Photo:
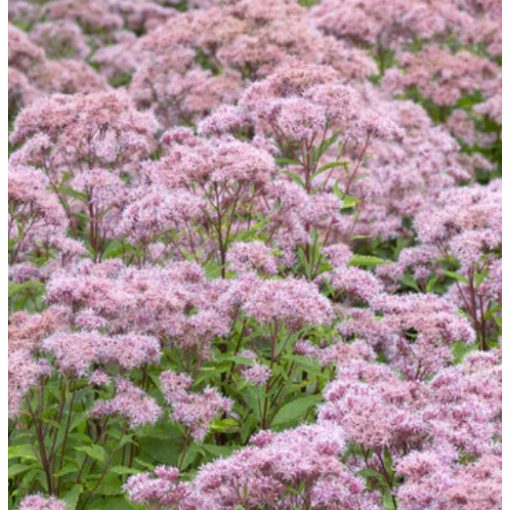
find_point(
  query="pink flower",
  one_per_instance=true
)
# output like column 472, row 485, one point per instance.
column 257, row 374
column 304, row 459
column 129, row 402
column 162, row 489
column 38, row 502
column 194, row 410
column 76, row 352
column 293, row 302
column 24, row 372
column 252, row 256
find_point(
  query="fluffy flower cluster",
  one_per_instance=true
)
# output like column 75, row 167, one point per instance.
column 37, row 502
column 129, row 402
column 27, row 330
column 194, row 410
column 304, row 459
column 76, row 352
column 24, row 372
column 291, row 302
column 163, row 490
column 176, row 303
column 434, row 410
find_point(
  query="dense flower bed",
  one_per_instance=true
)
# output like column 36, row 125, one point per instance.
column 255, row 255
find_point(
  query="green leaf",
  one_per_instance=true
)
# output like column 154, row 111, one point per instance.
column 456, row 276
column 388, row 461
column 145, row 465
column 68, row 468
column 295, row 410
column 367, row 261
column 409, row 281
column 323, row 147
column 480, row 277
column 191, row 455
column 94, row 451
column 114, row 503
column 74, row 194
column 17, row 469
column 328, row 166
column 110, row 485
column 286, row 161
column 218, row 450
column 22, row 451
column 71, row 497
column 240, row 360
column 124, row 470
column 227, row 425
column 372, row 473
column 159, row 450
column 431, row 283
column 388, row 501
column 296, row 178
column 26, row 296
column 348, row 201
column 494, row 308
column 310, row 365
column 116, row 248
column 460, row 350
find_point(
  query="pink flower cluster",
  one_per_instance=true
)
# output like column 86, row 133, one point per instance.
column 194, row 410
column 37, row 502
column 129, row 402
column 304, row 459
column 76, row 352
